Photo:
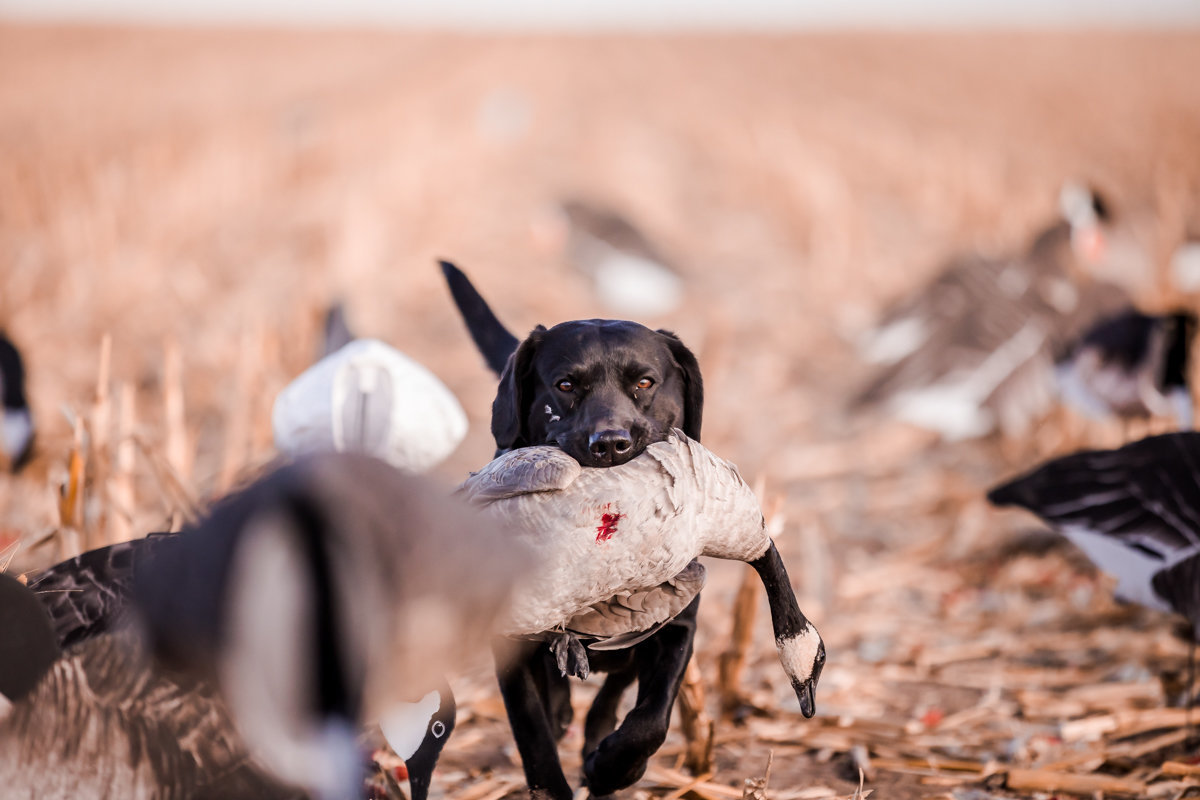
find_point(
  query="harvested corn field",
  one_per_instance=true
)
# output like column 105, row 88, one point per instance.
column 178, row 209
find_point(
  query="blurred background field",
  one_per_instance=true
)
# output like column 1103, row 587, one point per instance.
column 199, row 196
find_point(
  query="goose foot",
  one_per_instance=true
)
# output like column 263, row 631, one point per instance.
column 570, row 655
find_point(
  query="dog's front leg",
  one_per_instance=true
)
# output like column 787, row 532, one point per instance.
column 622, row 756
column 516, row 663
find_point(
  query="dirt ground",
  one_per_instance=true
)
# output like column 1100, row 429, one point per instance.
column 199, row 197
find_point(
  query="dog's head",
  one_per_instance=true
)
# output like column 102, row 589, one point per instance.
column 602, row 390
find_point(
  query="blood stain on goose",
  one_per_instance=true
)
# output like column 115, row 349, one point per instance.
column 607, row 526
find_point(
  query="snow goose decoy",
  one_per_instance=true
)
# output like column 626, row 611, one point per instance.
column 1132, row 365
column 320, row 597
column 99, row 721
column 973, row 351
column 16, row 427
column 619, row 545
column 630, row 276
column 366, row 396
column 1135, row 512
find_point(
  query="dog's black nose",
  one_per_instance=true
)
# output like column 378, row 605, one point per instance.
column 611, row 447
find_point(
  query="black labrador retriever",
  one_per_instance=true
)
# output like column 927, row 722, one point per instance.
column 602, row 390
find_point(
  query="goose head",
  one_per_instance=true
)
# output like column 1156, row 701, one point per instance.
column 801, row 650
column 1087, row 214
column 417, row 732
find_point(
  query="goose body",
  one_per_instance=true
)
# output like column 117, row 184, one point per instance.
column 1135, row 511
column 101, row 722
column 618, row 545
column 366, row 396
column 16, row 420
column 1132, row 365
column 618, row 530
column 973, row 350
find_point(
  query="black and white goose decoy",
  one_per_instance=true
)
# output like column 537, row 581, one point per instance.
column 619, row 546
column 16, row 425
column 320, row 598
column 99, row 721
column 1135, row 512
column 1132, row 365
column 629, row 274
column 367, row 396
column 973, row 351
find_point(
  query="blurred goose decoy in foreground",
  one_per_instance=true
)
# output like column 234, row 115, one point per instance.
column 99, row 721
column 629, row 274
column 321, row 597
column 973, row 350
column 1135, row 512
column 618, row 546
column 16, row 426
column 366, row 396
column 1132, row 365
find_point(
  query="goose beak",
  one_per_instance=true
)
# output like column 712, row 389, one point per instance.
column 806, row 694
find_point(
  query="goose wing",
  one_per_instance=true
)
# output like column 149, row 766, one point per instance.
column 102, row 722
column 1133, row 509
column 89, row 594
column 529, row 470
column 1179, row 586
column 631, row 616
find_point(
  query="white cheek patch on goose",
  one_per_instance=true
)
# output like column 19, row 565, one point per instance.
column 404, row 724
column 550, row 413
column 799, row 653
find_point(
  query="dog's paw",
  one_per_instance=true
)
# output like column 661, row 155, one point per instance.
column 619, row 761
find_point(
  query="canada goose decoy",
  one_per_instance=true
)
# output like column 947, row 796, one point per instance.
column 90, row 595
column 322, row 596
column 16, row 426
column 1135, row 512
column 629, row 274
column 619, row 544
column 366, row 396
column 98, row 721
column 1132, row 365
column 973, row 351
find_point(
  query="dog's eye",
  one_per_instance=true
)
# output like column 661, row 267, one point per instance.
column 645, row 383
column 564, row 386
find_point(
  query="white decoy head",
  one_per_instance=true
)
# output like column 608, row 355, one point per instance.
column 16, row 424
column 618, row 544
column 368, row 397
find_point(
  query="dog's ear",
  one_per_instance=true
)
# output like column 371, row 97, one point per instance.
column 693, row 385
column 510, row 409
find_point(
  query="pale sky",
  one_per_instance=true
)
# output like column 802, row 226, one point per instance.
column 626, row 14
